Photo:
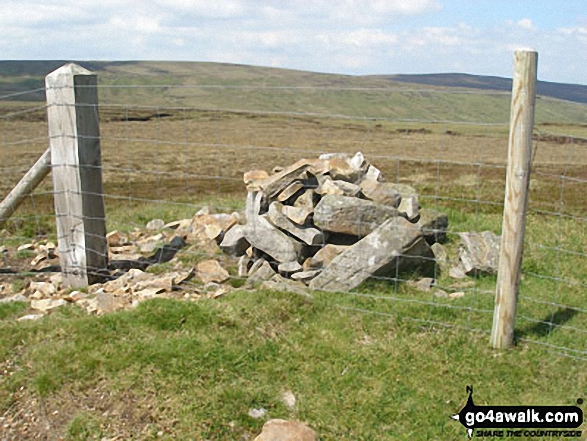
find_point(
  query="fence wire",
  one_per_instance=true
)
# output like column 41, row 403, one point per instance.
column 176, row 153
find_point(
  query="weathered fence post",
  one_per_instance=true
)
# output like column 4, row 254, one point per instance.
column 25, row 186
column 516, row 197
column 72, row 110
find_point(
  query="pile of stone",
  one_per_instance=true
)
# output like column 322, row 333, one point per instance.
column 331, row 223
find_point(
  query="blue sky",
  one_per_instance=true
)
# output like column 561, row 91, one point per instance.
column 347, row 36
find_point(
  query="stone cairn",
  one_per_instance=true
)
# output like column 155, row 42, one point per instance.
column 331, row 223
column 325, row 224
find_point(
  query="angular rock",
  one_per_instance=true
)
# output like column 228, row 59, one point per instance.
column 457, row 272
column 326, row 254
column 409, row 207
column 244, row 263
column 290, row 191
column 358, row 217
column 372, row 174
column 310, row 236
column 250, row 178
column 107, row 302
column 211, row 271
column 433, row 225
column 116, row 239
column 305, row 276
column 155, row 224
column 274, row 184
column 384, row 193
column 260, row 273
column 416, row 258
column 179, row 224
column 440, row 255
column 42, row 289
column 14, row 298
column 305, row 200
column 298, row 215
column 479, row 252
column 286, row 269
column 376, row 254
column 235, row 241
column 281, row 430
column 269, row 239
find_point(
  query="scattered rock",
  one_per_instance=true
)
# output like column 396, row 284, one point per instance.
column 211, row 271
column 257, row 413
column 155, row 224
column 289, row 399
column 259, row 272
column 46, row 305
column 479, row 252
column 235, row 241
column 286, row 269
column 305, row 276
column 281, row 430
column 30, row 317
column 440, row 255
column 424, row 284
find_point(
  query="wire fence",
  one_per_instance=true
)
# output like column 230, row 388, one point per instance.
column 170, row 151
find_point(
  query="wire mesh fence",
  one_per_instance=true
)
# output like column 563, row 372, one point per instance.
column 169, row 151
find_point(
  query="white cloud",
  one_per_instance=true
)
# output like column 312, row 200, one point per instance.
column 525, row 23
column 347, row 36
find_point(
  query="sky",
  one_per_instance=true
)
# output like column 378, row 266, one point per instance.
column 346, row 36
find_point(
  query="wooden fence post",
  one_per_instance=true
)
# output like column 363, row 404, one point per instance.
column 25, row 186
column 72, row 111
column 516, row 197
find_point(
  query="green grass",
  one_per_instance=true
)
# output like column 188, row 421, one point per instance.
column 202, row 366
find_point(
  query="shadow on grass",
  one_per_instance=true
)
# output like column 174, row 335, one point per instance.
column 547, row 324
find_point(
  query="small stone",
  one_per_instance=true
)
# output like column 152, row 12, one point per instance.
column 289, row 399
column 424, row 284
column 30, row 317
column 211, row 271
column 305, row 276
column 107, row 302
column 155, row 224
column 456, row 295
column 14, row 298
column 44, row 289
column 257, row 413
column 260, row 272
column 440, row 293
column 47, row 304
column 456, row 272
column 281, row 430
column 116, row 239
column 26, row 247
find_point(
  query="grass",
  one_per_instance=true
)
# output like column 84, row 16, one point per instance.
column 197, row 369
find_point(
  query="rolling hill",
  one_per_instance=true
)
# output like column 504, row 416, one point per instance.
column 219, row 86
